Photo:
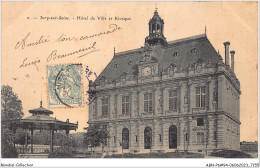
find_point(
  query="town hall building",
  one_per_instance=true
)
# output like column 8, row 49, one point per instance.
column 169, row 95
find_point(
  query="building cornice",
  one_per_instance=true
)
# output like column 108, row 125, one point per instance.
column 160, row 117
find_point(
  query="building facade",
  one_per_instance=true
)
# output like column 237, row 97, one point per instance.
column 168, row 95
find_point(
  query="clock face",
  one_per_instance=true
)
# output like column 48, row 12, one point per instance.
column 147, row 71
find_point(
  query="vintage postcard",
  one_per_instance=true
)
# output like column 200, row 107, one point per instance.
column 115, row 79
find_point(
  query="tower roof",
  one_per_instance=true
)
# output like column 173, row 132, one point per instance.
column 41, row 110
column 165, row 57
column 156, row 17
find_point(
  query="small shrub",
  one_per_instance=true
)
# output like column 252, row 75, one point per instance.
column 156, row 155
column 61, row 153
column 231, row 154
column 8, row 150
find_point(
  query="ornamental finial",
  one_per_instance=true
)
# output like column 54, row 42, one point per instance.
column 156, row 8
column 41, row 100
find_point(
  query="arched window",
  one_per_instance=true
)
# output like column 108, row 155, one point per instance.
column 158, row 28
column 194, row 50
column 175, row 54
column 153, row 28
column 147, row 138
column 125, row 138
column 173, row 137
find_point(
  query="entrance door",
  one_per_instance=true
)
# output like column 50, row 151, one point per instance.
column 125, row 138
column 147, row 138
column 173, row 137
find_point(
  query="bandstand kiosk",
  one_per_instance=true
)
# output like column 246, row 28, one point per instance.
column 41, row 120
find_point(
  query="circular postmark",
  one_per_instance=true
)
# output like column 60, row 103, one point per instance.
column 68, row 85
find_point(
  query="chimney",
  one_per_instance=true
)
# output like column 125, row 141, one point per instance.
column 226, row 44
column 232, row 60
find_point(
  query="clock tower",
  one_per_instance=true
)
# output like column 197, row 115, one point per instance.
column 156, row 26
column 151, row 94
column 148, row 64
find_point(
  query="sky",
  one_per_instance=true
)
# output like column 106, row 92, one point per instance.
column 236, row 22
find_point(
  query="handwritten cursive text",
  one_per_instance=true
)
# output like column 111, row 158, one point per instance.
column 54, row 54
column 23, row 43
column 26, row 63
column 112, row 29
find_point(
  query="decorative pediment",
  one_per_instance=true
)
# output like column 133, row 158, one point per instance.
column 173, row 68
column 148, row 55
column 147, row 58
column 148, row 63
column 198, row 66
column 130, row 77
column 122, row 78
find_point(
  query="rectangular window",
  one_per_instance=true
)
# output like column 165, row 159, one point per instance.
column 125, row 105
column 172, row 100
column 200, row 138
column 160, row 137
column 186, row 136
column 200, row 96
column 215, row 135
column 136, row 138
column 200, row 122
column 105, row 107
column 114, row 139
column 148, row 103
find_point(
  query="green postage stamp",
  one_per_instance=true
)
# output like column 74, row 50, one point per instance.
column 64, row 85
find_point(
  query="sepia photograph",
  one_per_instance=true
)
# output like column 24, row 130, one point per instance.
column 116, row 80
